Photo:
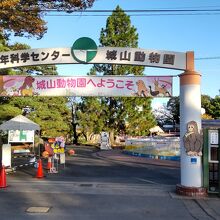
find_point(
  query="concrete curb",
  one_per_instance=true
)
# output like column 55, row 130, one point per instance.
column 118, row 155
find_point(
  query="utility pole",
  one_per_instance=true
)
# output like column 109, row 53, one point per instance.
column 74, row 122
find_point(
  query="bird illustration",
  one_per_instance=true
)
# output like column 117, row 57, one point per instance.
column 153, row 93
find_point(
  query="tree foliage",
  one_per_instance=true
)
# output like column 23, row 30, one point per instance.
column 211, row 106
column 30, row 70
column 52, row 114
column 206, row 104
column 216, row 103
column 119, row 33
column 91, row 116
column 126, row 115
column 119, row 115
column 25, row 18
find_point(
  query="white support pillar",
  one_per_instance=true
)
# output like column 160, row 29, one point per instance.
column 190, row 110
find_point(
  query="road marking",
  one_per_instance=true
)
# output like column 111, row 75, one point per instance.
column 147, row 181
column 39, row 209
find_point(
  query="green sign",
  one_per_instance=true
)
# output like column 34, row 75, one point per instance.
column 84, row 50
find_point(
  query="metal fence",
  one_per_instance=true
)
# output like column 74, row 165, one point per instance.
column 154, row 145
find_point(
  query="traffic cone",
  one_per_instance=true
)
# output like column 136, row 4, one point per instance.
column 40, row 173
column 3, row 183
column 49, row 163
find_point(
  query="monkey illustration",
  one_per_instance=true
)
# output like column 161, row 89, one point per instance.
column 193, row 140
column 142, row 89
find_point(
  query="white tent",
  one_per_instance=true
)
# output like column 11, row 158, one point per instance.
column 19, row 123
column 156, row 129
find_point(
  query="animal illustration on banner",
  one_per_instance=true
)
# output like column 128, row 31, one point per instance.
column 19, row 86
column 142, row 89
column 2, row 83
column 27, row 88
column 161, row 88
column 142, row 86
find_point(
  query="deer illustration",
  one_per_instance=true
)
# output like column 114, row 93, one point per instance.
column 161, row 88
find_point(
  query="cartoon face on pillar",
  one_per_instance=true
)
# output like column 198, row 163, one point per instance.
column 193, row 140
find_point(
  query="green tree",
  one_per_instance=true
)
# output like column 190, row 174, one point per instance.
column 90, row 115
column 123, row 115
column 3, row 43
column 52, row 114
column 206, row 104
column 211, row 106
column 30, row 70
column 173, row 106
column 3, row 48
column 216, row 107
column 126, row 115
column 25, row 18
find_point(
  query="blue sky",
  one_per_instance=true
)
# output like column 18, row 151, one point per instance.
column 198, row 33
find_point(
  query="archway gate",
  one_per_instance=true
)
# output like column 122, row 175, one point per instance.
column 85, row 51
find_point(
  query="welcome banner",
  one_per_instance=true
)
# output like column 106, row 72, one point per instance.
column 106, row 86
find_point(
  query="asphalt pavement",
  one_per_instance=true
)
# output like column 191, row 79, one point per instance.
column 97, row 185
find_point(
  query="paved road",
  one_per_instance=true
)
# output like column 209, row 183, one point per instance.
column 99, row 185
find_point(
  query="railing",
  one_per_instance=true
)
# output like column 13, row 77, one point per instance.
column 168, row 146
